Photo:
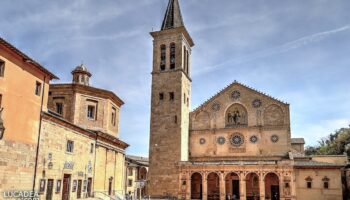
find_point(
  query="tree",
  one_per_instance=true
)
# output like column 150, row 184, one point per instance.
column 334, row 144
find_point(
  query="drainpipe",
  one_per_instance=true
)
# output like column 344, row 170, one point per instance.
column 39, row 134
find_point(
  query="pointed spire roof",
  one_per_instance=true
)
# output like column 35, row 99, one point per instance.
column 173, row 17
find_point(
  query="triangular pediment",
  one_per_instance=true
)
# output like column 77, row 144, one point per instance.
column 230, row 88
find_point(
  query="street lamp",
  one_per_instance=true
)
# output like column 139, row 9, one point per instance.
column 2, row 127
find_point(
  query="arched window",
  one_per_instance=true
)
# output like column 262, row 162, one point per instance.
column 184, row 59
column 172, row 55
column 187, row 62
column 162, row 57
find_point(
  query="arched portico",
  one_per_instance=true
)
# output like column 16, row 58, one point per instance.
column 232, row 186
column 272, row 187
column 252, row 186
column 213, row 185
column 196, row 186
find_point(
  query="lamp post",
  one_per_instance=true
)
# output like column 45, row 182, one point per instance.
column 2, row 127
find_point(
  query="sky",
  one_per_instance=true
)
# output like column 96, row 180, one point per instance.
column 296, row 51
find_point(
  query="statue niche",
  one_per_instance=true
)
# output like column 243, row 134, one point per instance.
column 236, row 115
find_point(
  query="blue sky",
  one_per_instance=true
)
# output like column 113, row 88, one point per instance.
column 297, row 51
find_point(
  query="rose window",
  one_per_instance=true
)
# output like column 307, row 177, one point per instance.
column 237, row 139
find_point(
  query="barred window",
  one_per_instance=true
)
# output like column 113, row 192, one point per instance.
column 70, row 146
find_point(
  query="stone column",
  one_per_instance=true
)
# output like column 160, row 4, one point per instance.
column 262, row 186
column 281, row 183
column 293, row 186
column 188, row 187
column 204, row 186
column 222, row 187
column 242, row 187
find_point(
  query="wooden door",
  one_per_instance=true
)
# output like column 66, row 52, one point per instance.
column 66, row 186
column 79, row 189
column 89, row 186
column 49, row 189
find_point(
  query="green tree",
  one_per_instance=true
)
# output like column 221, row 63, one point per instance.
column 334, row 144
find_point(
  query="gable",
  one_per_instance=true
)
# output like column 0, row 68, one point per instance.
column 239, row 105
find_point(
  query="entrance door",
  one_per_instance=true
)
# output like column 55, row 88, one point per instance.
column 89, row 185
column 66, row 186
column 110, row 186
column 235, row 188
column 275, row 192
column 79, row 189
column 49, row 189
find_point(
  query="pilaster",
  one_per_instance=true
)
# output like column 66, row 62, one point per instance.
column 242, row 187
column 222, row 187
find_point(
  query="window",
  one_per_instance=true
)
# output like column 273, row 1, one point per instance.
column 70, row 146
column 37, row 88
column 325, row 182
column 175, row 119
column 162, row 57
column 130, row 171
column 92, row 148
column 188, row 101
column 2, row 68
column 187, row 62
column 172, row 56
column 184, row 98
column 129, row 182
column 171, row 95
column 91, row 112
column 325, row 185
column 161, row 96
column 308, row 182
column 0, row 100
column 114, row 114
column 59, row 108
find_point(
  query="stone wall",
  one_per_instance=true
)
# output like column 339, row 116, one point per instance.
column 260, row 119
column 79, row 164
column 169, row 118
column 317, row 190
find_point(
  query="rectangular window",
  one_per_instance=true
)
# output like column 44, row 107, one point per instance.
column 37, row 88
column 309, row 185
column 130, row 171
column 91, row 112
column 59, row 108
column 325, row 185
column 171, row 96
column 161, row 96
column 2, row 68
column 0, row 100
column 92, row 148
column 175, row 119
column 70, row 146
column 114, row 114
column 129, row 182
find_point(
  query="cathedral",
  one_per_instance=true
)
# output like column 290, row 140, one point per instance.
column 236, row 145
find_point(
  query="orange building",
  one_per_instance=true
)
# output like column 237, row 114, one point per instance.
column 24, row 85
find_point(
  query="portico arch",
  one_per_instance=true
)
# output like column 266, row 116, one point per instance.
column 252, row 186
column 213, row 186
column 272, row 191
column 232, row 186
column 196, row 186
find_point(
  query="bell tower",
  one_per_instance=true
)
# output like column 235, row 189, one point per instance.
column 170, row 103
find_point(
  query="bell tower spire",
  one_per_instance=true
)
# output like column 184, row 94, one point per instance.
column 173, row 17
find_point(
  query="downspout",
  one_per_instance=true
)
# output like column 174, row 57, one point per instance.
column 39, row 134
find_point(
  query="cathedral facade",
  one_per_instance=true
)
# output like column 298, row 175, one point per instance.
column 236, row 145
